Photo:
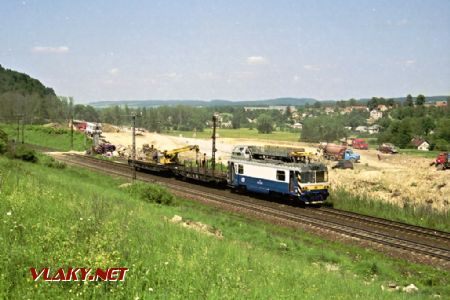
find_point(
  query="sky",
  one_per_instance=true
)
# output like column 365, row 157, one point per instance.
column 235, row 50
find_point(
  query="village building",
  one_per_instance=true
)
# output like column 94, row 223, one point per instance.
column 441, row 104
column 361, row 129
column 281, row 109
column 297, row 125
column 420, row 144
column 382, row 107
column 329, row 110
column 374, row 129
column 376, row 114
column 349, row 109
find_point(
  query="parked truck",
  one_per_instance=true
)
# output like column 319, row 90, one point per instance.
column 442, row 161
column 387, row 148
column 337, row 152
column 360, row 144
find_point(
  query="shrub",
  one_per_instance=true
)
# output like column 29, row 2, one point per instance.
column 22, row 152
column 152, row 193
column 50, row 162
column 3, row 141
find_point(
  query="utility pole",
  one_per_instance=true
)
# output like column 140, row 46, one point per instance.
column 18, row 129
column 19, row 120
column 71, row 131
column 23, row 131
column 213, row 154
column 71, row 123
column 133, row 153
column 133, row 150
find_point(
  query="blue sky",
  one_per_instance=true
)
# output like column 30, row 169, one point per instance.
column 129, row 50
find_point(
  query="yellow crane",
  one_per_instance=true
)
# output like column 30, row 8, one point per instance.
column 171, row 156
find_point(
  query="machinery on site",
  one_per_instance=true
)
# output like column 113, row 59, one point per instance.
column 266, row 152
column 338, row 152
column 442, row 161
column 387, row 148
column 360, row 144
column 156, row 160
column 171, row 156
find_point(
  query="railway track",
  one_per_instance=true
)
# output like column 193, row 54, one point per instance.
column 414, row 239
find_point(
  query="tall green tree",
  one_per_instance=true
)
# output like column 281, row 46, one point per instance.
column 409, row 101
column 420, row 100
column 264, row 124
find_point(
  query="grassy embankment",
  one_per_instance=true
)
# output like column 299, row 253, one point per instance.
column 415, row 215
column 55, row 138
column 245, row 133
column 55, row 217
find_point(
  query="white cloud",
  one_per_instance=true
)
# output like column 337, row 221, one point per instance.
column 311, row 68
column 296, row 78
column 410, row 62
column 42, row 49
column 114, row 71
column 257, row 60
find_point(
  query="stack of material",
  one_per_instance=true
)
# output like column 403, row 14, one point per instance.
column 105, row 148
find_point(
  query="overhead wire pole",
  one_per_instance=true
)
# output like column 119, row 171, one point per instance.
column 71, row 123
column 213, row 154
column 133, row 153
column 18, row 129
column 71, row 131
column 133, row 150
column 23, row 131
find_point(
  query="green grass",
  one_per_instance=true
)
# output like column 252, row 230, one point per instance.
column 416, row 215
column 244, row 133
column 58, row 139
column 415, row 152
column 61, row 217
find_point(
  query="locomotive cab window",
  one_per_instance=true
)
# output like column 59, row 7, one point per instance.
column 321, row 176
column 240, row 169
column 281, row 175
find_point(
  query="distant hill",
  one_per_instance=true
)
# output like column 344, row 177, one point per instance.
column 27, row 98
column 155, row 103
column 13, row 81
column 212, row 103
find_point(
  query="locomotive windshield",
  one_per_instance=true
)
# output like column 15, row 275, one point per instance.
column 312, row 176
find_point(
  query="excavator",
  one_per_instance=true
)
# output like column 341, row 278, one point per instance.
column 168, row 157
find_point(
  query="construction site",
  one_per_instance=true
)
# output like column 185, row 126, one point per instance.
column 376, row 175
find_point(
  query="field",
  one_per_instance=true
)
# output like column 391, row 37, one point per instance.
column 55, row 138
column 60, row 217
column 244, row 133
column 427, row 154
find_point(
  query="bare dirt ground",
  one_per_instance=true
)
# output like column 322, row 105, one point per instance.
column 400, row 179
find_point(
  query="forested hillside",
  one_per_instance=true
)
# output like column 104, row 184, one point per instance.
column 21, row 95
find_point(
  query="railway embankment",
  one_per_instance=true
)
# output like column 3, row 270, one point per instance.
column 87, row 218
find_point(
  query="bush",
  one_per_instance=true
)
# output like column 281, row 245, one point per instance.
column 3, row 141
column 22, row 152
column 152, row 193
column 50, row 162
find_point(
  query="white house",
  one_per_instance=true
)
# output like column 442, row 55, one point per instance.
column 375, row 114
column 420, row 144
column 361, row 129
column 374, row 129
column 424, row 146
column 297, row 125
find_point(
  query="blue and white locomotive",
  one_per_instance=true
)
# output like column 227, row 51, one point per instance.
column 253, row 169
